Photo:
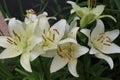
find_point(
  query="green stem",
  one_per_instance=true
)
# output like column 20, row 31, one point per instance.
column 42, row 68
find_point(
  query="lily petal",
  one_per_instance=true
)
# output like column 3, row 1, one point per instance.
column 30, row 18
column 113, row 48
column 30, row 28
column 109, row 16
column 57, row 63
column 73, row 33
column 34, row 54
column 3, row 41
column 93, row 51
column 112, row 34
column 68, row 40
column 72, row 67
column 11, row 52
column 86, row 32
column 33, row 41
column 43, row 24
column 50, row 53
column 98, row 10
column 60, row 27
column 25, row 61
column 97, row 30
column 74, row 23
column 80, row 11
column 17, row 27
column 81, row 51
column 106, row 58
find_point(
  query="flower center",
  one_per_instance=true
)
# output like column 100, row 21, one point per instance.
column 17, row 40
column 101, row 41
column 49, row 38
column 66, row 50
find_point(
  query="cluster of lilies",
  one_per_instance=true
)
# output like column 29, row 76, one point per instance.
column 35, row 37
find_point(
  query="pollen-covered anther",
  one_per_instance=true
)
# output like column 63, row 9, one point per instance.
column 56, row 31
column 43, row 37
column 15, row 34
column 50, row 39
column 100, row 38
column 106, row 44
column 9, row 41
column 59, row 47
column 59, row 53
column 53, row 36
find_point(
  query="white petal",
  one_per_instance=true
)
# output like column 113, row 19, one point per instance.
column 113, row 48
column 112, row 34
column 72, row 67
column 60, row 27
column 68, row 40
column 33, row 41
column 109, row 16
column 86, row 32
column 4, row 41
column 74, row 23
column 50, row 53
column 11, row 52
column 106, row 58
column 98, row 10
column 30, row 28
column 57, row 63
column 34, row 55
column 43, row 25
column 93, row 51
column 30, row 18
column 73, row 33
column 97, row 30
column 25, row 61
column 17, row 26
column 67, row 28
column 80, row 11
column 81, row 51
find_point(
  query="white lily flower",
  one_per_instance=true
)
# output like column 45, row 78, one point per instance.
column 101, row 42
column 71, row 30
column 19, row 42
column 50, row 37
column 88, row 15
column 67, row 53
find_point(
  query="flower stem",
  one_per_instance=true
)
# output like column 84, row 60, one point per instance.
column 42, row 68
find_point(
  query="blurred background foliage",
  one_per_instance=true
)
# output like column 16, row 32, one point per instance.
column 89, row 67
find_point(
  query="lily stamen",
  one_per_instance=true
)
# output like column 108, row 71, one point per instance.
column 53, row 36
column 106, row 44
column 50, row 39
column 56, row 31
column 43, row 37
column 60, row 48
column 100, row 38
column 15, row 34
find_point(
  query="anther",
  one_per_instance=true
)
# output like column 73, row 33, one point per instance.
column 59, row 54
column 60, row 48
column 50, row 39
column 43, row 37
column 53, row 36
column 100, row 38
column 106, row 44
column 56, row 31
column 16, row 35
